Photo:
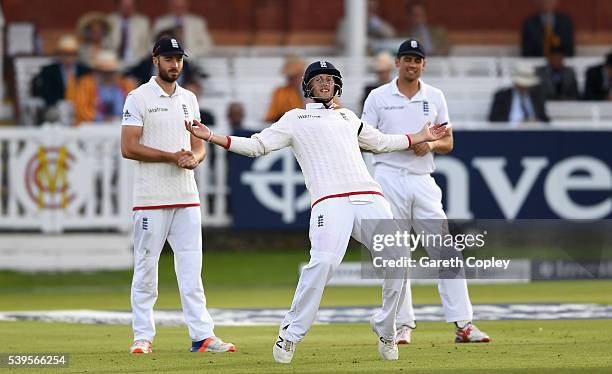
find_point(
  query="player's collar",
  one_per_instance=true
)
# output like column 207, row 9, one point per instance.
column 160, row 91
column 319, row 106
column 421, row 95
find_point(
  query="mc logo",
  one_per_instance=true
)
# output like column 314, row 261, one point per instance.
column 54, row 178
column 46, row 179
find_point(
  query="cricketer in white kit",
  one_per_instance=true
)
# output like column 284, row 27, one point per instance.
column 166, row 199
column 326, row 142
column 401, row 106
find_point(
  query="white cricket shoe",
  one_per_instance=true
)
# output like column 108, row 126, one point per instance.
column 387, row 348
column 141, row 346
column 470, row 334
column 283, row 350
column 403, row 334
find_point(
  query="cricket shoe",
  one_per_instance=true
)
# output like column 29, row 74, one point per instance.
column 387, row 348
column 212, row 344
column 470, row 334
column 141, row 346
column 403, row 334
column 283, row 350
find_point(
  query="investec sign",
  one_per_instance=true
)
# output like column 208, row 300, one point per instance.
column 489, row 174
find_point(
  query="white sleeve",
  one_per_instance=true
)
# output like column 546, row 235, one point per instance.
column 442, row 116
column 370, row 111
column 277, row 136
column 132, row 115
column 196, row 108
column 373, row 140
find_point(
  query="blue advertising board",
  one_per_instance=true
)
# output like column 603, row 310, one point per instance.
column 489, row 174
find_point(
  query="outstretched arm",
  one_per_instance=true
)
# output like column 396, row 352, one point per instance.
column 275, row 137
column 373, row 140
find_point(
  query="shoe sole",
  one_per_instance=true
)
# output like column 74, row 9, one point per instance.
column 486, row 340
column 140, row 351
column 403, row 342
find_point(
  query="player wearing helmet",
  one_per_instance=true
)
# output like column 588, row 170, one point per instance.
column 326, row 142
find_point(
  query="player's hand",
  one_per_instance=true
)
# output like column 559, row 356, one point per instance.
column 430, row 133
column 187, row 160
column 422, row 149
column 181, row 157
column 198, row 129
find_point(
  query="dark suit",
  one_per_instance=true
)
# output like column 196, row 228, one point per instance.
column 596, row 87
column 566, row 88
column 502, row 104
column 49, row 83
column 532, row 36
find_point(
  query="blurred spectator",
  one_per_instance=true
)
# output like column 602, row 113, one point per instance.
column 547, row 29
column 195, row 86
column 289, row 96
column 129, row 33
column 384, row 65
column 434, row 38
column 58, row 81
column 191, row 29
column 557, row 80
column 377, row 27
column 93, row 29
column 522, row 103
column 144, row 70
column 102, row 92
column 598, row 84
column 237, row 121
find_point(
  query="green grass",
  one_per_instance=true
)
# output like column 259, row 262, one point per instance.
column 245, row 280
column 249, row 280
column 519, row 346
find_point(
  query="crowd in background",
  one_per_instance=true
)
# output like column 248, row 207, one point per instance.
column 109, row 56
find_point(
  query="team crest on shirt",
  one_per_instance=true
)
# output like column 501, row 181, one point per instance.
column 425, row 108
column 127, row 115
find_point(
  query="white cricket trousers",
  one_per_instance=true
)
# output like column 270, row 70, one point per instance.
column 183, row 230
column 332, row 223
column 417, row 197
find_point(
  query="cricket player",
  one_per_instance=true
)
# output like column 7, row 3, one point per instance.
column 401, row 106
column 326, row 142
column 166, row 199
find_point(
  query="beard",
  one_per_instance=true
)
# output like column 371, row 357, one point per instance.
column 169, row 77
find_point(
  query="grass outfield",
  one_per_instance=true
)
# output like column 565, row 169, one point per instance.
column 525, row 346
column 268, row 280
column 251, row 280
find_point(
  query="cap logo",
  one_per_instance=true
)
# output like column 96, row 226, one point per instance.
column 174, row 43
column 323, row 64
column 413, row 43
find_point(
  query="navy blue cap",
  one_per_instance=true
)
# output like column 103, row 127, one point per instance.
column 411, row 47
column 168, row 46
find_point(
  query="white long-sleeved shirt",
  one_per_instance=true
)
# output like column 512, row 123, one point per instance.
column 326, row 144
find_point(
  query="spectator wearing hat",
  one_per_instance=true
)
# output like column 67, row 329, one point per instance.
column 547, row 29
column 93, row 30
column 558, row 81
column 598, row 84
column 290, row 95
column 58, row 81
column 434, row 38
column 130, row 33
column 523, row 102
column 190, row 29
column 103, row 91
column 384, row 64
